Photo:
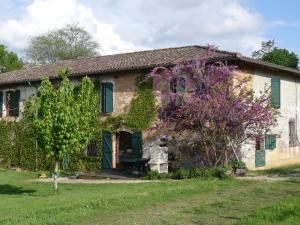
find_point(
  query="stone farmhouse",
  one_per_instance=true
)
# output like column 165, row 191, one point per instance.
column 117, row 76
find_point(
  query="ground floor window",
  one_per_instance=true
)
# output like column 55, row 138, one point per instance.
column 12, row 99
column 270, row 141
column 92, row 149
column 293, row 137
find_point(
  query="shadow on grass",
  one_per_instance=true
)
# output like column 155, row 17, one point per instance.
column 14, row 190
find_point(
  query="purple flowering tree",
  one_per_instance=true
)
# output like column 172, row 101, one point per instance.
column 211, row 110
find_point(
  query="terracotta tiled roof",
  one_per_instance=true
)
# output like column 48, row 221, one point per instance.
column 111, row 63
column 129, row 61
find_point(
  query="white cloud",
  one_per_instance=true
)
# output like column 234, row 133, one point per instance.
column 44, row 15
column 121, row 26
column 164, row 23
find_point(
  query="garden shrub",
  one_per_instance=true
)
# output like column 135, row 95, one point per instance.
column 184, row 173
column 153, row 175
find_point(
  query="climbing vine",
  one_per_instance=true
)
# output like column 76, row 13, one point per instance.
column 18, row 147
column 142, row 110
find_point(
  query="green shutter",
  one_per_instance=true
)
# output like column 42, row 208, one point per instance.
column 15, row 103
column 275, row 91
column 103, row 97
column 106, row 150
column 107, row 97
column 1, row 104
column 260, row 158
column 137, row 144
column 270, row 141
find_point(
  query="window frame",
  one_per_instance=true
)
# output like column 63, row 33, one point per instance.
column 7, row 105
column 293, row 137
column 276, row 97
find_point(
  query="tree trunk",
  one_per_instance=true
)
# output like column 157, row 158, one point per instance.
column 55, row 175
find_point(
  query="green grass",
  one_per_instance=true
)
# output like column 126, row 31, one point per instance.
column 281, row 171
column 166, row 202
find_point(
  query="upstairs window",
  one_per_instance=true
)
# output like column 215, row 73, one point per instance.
column 107, row 98
column 293, row 141
column 275, row 92
column 177, row 85
column 12, row 103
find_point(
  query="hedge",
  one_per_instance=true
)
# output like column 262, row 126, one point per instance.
column 19, row 148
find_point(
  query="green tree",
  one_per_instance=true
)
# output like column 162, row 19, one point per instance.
column 65, row 120
column 70, row 42
column 279, row 56
column 9, row 61
column 282, row 57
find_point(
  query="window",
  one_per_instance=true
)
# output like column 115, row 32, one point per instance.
column 107, row 97
column 270, row 141
column 12, row 103
column 259, row 143
column 92, row 149
column 293, row 133
column 177, row 85
column 260, row 154
column 275, row 92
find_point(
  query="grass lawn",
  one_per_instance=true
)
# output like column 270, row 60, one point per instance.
column 166, row 202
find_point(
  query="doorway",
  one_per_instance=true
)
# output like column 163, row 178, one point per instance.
column 124, row 145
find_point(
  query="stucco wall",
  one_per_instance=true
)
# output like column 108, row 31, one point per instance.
column 289, row 109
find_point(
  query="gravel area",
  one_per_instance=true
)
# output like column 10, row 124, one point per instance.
column 264, row 178
column 66, row 180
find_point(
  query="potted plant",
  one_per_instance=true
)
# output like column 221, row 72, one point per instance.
column 239, row 168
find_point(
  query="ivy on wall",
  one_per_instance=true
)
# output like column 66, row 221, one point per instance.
column 142, row 110
column 19, row 149
column 18, row 140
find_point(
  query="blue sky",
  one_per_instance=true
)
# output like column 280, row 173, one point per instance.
column 129, row 25
column 279, row 10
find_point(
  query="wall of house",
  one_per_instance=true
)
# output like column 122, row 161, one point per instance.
column 124, row 90
column 283, row 154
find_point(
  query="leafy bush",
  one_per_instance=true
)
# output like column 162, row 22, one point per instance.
column 221, row 172
column 238, row 164
column 153, row 175
column 182, row 173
